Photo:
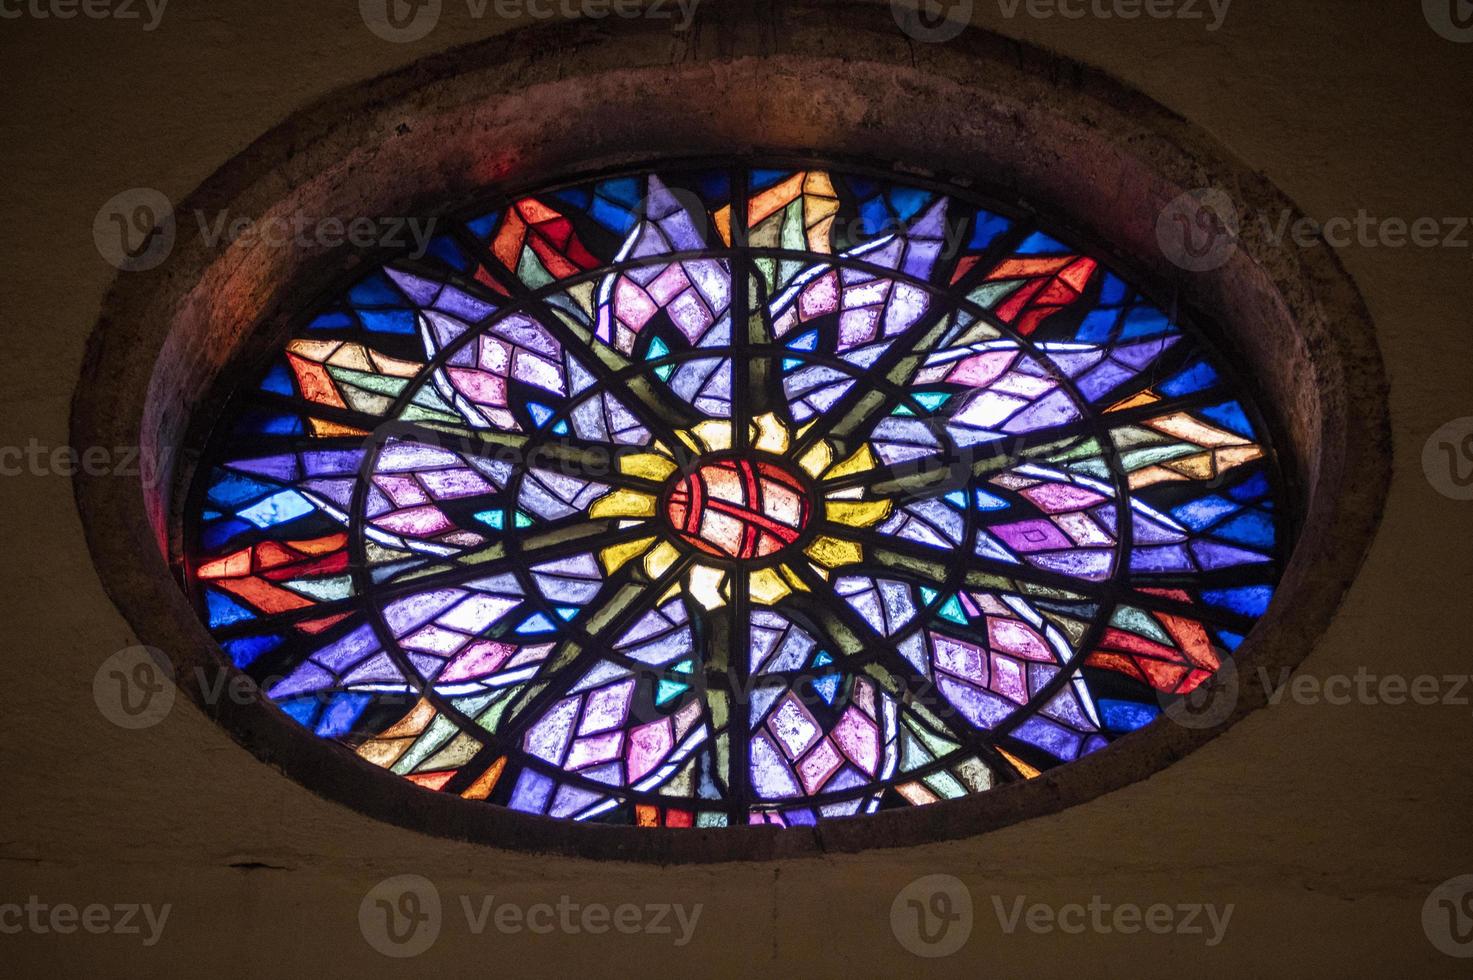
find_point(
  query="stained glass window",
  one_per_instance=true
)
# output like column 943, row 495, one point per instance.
column 717, row 495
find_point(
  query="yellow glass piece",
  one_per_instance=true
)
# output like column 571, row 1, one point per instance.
column 767, row 587
column 834, row 552
column 723, row 224
column 793, row 578
column 623, row 503
column 705, row 586
column 1028, row 771
column 328, row 430
column 650, row 466
column 858, row 463
column 714, row 434
column 486, row 782
column 857, row 513
column 1237, row 456
column 1184, row 427
column 615, row 556
column 393, row 366
column 769, row 435
column 583, row 293
column 353, row 357
column 1144, row 398
column 817, row 458
column 658, row 561
column 314, row 350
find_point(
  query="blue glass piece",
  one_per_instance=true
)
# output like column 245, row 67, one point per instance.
column 907, row 202
column 990, row 501
column 877, row 217
column 537, row 623
column 1196, row 377
column 827, row 687
column 1144, row 321
column 376, row 290
column 1230, row 416
column 951, row 610
column 763, row 179
column 483, row 226
column 248, row 650
column 279, row 381
column 341, row 712
column 808, row 341
column 1251, row 489
column 1097, row 326
column 389, row 321
column 1112, row 290
column 1251, row 601
column 301, row 709
column 668, row 690
column 540, row 413
column 217, row 535
column 1199, row 514
column 259, row 423
column 446, row 250
column 1251, row 528
column 625, row 190
column 1040, row 244
column 232, row 489
column 985, row 230
column 1126, row 716
column 280, row 508
column 225, row 611
column 333, row 321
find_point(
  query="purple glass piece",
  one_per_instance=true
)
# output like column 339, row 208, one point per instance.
column 531, row 792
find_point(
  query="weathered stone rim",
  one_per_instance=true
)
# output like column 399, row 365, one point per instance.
column 783, row 76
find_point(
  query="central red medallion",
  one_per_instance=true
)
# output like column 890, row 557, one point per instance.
column 739, row 508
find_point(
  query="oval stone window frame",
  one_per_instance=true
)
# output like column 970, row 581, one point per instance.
column 826, row 79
